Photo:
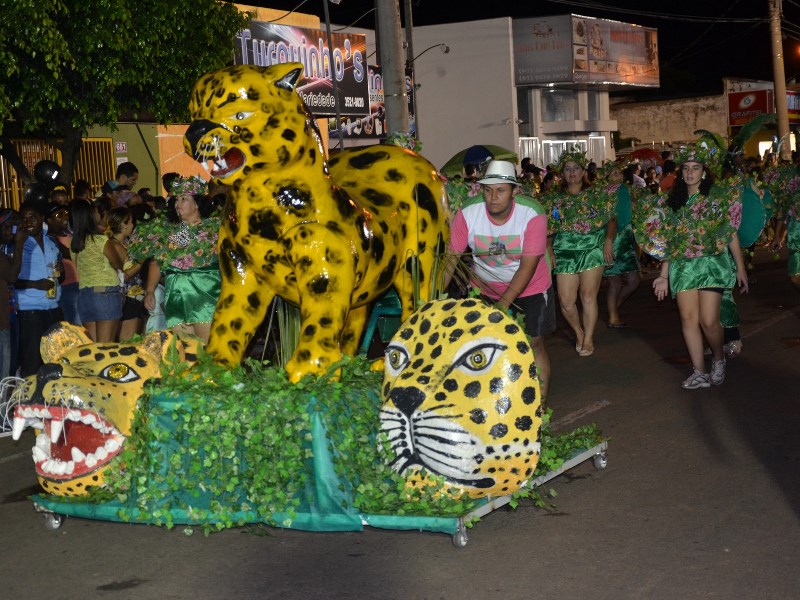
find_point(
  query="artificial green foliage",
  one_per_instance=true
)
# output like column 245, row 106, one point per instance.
column 233, row 446
column 74, row 64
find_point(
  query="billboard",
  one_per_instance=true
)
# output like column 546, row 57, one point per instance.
column 372, row 124
column 575, row 49
column 743, row 106
column 265, row 44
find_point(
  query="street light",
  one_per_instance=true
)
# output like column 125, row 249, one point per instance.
column 445, row 50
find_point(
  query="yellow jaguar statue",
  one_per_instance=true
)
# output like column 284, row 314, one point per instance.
column 83, row 399
column 329, row 237
column 461, row 399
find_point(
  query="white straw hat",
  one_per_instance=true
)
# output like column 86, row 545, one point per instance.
column 499, row 171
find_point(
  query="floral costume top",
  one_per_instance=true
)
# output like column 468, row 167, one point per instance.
column 694, row 238
column 577, row 222
column 187, row 255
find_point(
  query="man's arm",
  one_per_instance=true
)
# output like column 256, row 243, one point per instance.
column 521, row 279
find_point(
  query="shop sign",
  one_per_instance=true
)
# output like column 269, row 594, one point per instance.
column 266, row 44
column 793, row 102
column 744, row 106
column 372, row 124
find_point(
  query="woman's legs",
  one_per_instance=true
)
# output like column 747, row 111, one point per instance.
column 689, row 309
column 567, row 284
column 129, row 328
column 588, row 287
column 699, row 310
column 612, row 298
column 709, row 322
column 106, row 331
column 91, row 329
column 542, row 365
column 620, row 288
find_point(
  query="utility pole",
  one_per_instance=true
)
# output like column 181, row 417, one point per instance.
column 392, row 66
column 779, row 75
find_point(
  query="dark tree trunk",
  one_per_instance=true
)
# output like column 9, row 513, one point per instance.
column 9, row 152
column 70, row 148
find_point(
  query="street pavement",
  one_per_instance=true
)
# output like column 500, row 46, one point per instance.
column 700, row 499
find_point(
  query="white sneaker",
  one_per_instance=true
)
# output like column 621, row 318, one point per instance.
column 717, row 371
column 697, row 380
column 733, row 349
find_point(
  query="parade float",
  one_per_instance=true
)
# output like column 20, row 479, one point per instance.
column 161, row 431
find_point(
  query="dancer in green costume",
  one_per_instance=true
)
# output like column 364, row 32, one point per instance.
column 694, row 227
column 582, row 225
column 186, row 253
column 623, row 276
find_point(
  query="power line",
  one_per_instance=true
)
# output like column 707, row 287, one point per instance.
column 587, row 4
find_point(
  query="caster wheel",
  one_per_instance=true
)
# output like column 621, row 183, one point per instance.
column 460, row 539
column 53, row 521
column 600, row 461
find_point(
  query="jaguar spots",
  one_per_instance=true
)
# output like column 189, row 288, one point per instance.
column 329, row 237
column 461, row 398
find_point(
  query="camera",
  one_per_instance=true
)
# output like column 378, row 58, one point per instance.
column 13, row 230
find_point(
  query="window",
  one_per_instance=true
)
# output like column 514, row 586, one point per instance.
column 593, row 100
column 558, row 105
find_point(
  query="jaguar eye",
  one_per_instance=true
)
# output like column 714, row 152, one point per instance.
column 241, row 116
column 396, row 359
column 478, row 357
column 119, row 372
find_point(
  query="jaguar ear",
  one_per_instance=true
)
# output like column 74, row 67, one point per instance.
column 61, row 337
column 288, row 75
column 157, row 343
column 171, row 348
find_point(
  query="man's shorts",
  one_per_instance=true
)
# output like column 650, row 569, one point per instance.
column 539, row 312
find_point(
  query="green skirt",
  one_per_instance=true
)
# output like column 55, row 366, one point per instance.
column 577, row 252
column 191, row 295
column 702, row 272
column 625, row 259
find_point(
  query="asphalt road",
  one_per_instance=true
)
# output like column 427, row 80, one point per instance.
column 700, row 499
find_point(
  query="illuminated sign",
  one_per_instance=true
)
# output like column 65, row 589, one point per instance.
column 266, row 44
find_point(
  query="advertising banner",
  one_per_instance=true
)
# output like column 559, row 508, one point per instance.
column 793, row 100
column 574, row 49
column 372, row 125
column 743, row 106
column 265, row 44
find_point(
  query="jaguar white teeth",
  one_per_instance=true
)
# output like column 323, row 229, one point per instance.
column 56, row 452
column 56, row 429
column 39, row 455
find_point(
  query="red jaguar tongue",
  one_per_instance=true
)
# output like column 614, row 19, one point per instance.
column 233, row 159
column 84, row 437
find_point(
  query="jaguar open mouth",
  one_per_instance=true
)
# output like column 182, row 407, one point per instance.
column 229, row 163
column 73, row 443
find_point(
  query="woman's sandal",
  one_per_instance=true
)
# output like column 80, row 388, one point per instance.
column 618, row 325
column 586, row 351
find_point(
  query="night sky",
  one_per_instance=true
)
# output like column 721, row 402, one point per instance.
column 700, row 41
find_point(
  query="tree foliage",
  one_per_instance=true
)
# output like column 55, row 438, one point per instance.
column 74, row 64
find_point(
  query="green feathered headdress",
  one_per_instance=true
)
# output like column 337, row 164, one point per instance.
column 575, row 155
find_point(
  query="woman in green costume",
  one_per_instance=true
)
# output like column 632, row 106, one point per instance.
column 582, row 225
column 186, row 253
column 694, row 227
column 623, row 276
column 785, row 190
